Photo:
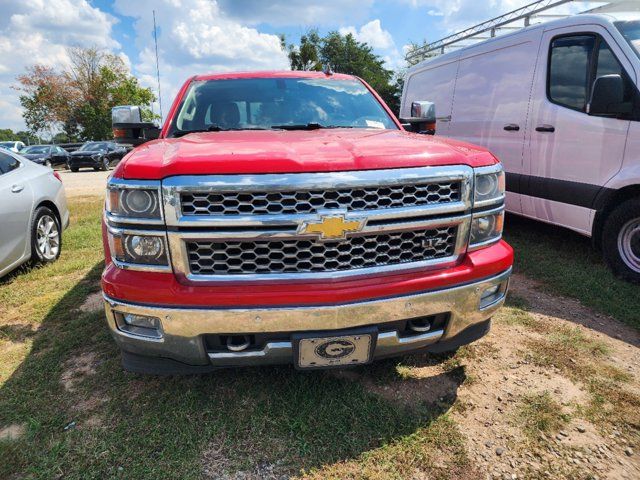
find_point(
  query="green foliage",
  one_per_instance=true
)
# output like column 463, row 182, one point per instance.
column 78, row 99
column 344, row 54
column 6, row 134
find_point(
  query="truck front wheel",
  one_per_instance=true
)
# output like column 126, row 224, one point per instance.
column 621, row 240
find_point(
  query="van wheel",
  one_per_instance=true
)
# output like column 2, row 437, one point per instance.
column 46, row 236
column 621, row 240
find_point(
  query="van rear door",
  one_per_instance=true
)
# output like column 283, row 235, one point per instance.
column 492, row 97
column 572, row 154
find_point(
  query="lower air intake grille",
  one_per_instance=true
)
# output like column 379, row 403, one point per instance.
column 301, row 256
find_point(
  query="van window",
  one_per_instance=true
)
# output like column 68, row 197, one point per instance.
column 568, row 82
column 608, row 64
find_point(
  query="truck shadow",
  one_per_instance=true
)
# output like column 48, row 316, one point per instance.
column 85, row 417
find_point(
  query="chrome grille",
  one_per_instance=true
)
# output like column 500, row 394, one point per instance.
column 305, row 256
column 311, row 201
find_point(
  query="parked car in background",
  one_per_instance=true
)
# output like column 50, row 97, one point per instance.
column 33, row 212
column 96, row 155
column 13, row 146
column 47, row 155
column 287, row 217
column 559, row 104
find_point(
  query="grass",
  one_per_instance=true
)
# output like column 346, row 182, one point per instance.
column 128, row 426
column 258, row 421
column 566, row 263
column 539, row 413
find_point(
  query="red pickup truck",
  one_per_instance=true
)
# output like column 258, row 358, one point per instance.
column 288, row 217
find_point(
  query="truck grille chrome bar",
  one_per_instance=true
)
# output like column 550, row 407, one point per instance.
column 313, row 226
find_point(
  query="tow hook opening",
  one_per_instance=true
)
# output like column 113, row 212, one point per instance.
column 238, row 343
column 420, row 325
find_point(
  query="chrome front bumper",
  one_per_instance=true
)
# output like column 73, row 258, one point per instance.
column 183, row 328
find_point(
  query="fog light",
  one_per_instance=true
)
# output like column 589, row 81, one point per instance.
column 493, row 294
column 146, row 246
column 140, row 325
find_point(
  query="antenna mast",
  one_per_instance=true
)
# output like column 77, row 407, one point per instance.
column 155, row 38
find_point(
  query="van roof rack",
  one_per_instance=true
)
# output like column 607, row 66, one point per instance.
column 514, row 20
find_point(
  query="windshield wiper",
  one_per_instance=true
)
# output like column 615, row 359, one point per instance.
column 307, row 126
column 213, row 128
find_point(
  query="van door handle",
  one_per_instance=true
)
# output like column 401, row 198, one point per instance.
column 546, row 128
column 17, row 188
column 512, row 127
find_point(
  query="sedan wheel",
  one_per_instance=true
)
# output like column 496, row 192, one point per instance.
column 48, row 238
column 47, row 163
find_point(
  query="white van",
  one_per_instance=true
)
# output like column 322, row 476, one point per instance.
column 558, row 103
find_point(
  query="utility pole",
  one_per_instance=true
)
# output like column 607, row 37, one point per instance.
column 155, row 37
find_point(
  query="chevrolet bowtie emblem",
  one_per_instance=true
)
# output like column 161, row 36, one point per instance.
column 331, row 226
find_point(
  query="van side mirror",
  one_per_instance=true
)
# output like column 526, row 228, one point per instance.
column 607, row 96
column 128, row 127
column 423, row 117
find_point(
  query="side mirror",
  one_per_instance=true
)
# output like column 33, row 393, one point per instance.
column 423, row 117
column 128, row 127
column 607, row 96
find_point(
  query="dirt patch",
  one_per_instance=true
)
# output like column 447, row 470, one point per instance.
column 12, row 432
column 522, row 418
column 92, row 303
column 491, row 414
column 77, row 368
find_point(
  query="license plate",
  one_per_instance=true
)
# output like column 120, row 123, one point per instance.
column 335, row 350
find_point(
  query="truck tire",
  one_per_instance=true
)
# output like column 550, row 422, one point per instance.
column 621, row 240
column 46, row 236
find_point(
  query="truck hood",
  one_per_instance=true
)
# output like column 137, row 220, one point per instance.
column 278, row 151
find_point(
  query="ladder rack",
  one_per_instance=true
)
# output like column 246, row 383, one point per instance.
column 523, row 16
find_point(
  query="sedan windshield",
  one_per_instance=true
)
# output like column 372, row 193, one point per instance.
column 631, row 32
column 7, row 144
column 37, row 149
column 278, row 103
column 93, row 147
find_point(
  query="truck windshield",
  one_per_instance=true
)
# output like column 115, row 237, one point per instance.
column 278, row 103
column 631, row 31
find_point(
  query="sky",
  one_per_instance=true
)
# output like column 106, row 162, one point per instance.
column 202, row 36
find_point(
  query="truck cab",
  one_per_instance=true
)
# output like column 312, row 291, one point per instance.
column 287, row 217
column 559, row 104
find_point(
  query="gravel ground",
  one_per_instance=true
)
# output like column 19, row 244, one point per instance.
column 84, row 182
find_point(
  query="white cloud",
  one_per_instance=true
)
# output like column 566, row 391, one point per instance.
column 308, row 13
column 38, row 31
column 371, row 33
column 459, row 14
column 195, row 36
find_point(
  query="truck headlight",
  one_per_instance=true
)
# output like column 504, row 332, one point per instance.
column 486, row 229
column 489, row 185
column 133, row 201
column 138, row 248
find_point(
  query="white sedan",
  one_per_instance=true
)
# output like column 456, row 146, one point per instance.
column 33, row 212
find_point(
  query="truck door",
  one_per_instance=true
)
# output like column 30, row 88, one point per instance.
column 491, row 102
column 571, row 154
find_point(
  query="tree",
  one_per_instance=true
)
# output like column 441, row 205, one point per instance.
column 77, row 100
column 344, row 54
column 6, row 134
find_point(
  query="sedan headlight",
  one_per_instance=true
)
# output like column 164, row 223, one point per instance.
column 133, row 202
column 138, row 248
column 486, row 229
column 489, row 186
